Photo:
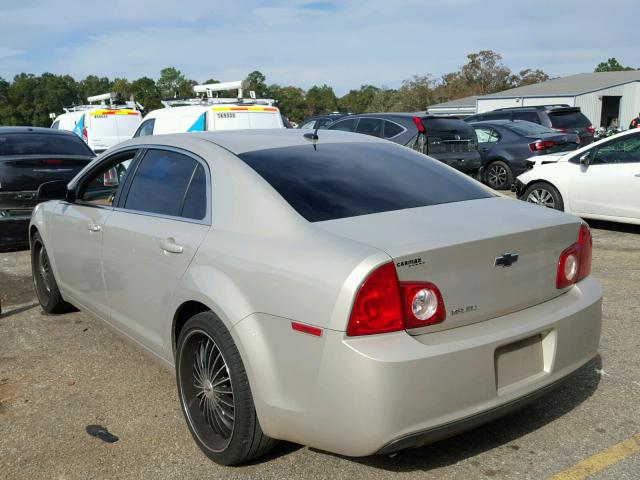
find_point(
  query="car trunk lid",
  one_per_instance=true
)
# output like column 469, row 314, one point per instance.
column 457, row 246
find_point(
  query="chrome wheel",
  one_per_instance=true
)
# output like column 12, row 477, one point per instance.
column 42, row 273
column 206, row 391
column 542, row 197
column 497, row 176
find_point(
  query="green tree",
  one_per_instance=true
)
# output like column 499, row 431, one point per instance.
column 414, row 94
column 258, row 83
column 529, row 77
column 383, row 100
column 122, row 87
column 290, row 100
column 92, row 85
column 358, row 101
column 146, row 92
column 321, row 99
column 611, row 65
column 169, row 82
column 185, row 88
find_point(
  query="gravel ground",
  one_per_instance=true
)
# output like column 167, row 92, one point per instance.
column 59, row 374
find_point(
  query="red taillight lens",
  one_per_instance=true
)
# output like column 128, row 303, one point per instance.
column 377, row 307
column 541, row 145
column 419, row 125
column 575, row 261
column 85, row 135
column 385, row 305
column 423, row 304
column 52, row 162
column 591, row 130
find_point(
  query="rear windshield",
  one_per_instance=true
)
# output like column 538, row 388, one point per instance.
column 569, row 120
column 448, row 125
column 42, row 144
column 528, row 128
column 350, row 179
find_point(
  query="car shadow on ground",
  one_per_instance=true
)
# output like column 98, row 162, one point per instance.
column 502, row 432
column 614, row 226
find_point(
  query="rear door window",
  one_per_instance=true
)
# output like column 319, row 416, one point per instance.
column 370, row 126
column 342, row 180
column 570, row 119
column 623, row 150
column 528, row 116
column 487, row 135
column 392, row 129
column 42, row 144
column 348, row 125
column 160, row 183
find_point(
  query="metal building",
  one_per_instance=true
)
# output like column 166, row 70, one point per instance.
column 462, row 107
column 604, row 97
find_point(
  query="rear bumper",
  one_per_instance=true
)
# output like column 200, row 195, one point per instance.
column 467, row 162
column 362, row 395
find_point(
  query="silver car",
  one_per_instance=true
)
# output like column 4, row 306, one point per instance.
column 344, row 292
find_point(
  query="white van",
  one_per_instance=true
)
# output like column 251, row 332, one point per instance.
column 209, row 113
column 101, row 126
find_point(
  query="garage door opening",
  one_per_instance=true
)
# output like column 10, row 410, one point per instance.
column 610, row 111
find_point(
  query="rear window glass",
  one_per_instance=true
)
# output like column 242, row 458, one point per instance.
column 528, row 116
column 42, row 144
column 568, row 120
column 349, row 179
column 528, row 128
column 437, row 126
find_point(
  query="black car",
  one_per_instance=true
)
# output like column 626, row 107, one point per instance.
column 321, row 121
column 561, row 118
column 31, row 156
column 447, row 139
column 506, row 145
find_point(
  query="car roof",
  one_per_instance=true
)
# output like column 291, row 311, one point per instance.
column 40, row 130
column 242, row 141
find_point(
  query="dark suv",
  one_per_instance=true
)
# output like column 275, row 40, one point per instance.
column 447, row 139
column 561, row 118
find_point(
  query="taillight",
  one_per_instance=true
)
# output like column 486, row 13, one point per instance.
column 575, row 261
column 423, row 304
column 541, row 145
column 52, row 162
column 383, row 304
column 591, row 130
column 85, row 136
column 419, row 125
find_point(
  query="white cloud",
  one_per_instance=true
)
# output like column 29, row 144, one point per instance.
column 344, row 44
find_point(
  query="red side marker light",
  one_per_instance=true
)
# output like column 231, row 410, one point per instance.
column 303, row 328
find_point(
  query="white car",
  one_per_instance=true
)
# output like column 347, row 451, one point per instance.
column 600, row 181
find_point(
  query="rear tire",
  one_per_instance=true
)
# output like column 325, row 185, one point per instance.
column 44, row 281
column 498, row 175
column 215, row 394
column 545, row 195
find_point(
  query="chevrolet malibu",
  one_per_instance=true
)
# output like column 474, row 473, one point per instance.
column 341, row 292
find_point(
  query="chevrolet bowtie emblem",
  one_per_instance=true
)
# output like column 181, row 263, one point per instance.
column 506, row 260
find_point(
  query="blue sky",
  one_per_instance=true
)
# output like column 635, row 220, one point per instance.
column 304, row 42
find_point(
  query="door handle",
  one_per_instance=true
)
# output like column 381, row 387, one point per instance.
column 94, row 227
column 169, row 245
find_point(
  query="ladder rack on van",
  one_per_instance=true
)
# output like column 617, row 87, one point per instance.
column 195, row 102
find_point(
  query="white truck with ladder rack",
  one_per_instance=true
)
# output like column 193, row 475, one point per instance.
column 101, row 125
column 207, row 112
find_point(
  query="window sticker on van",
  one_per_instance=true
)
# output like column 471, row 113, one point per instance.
column 198, row 125
column 79, row 126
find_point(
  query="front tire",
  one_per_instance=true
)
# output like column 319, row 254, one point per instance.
column 545, row 195
column 44, row 282
column 499, row 175
column 215, row 394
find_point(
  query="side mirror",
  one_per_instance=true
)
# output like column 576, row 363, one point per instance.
column 55, row 190
column 585, row 159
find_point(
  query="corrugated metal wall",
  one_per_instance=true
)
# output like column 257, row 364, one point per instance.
column 591, row 105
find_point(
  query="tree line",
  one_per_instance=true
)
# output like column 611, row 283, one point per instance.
column 29, row 98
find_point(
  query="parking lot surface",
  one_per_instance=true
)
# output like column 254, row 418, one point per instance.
column 59, row 374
